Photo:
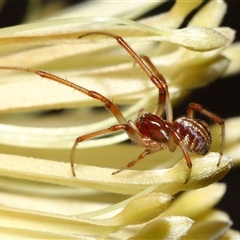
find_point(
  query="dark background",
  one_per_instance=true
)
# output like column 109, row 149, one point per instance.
column 221, row 97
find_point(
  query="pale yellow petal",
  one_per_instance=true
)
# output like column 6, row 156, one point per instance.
column 139, row 210
column 211, row 15
column 174, row 227
column 213, row 215
column 45, row 222
column 142, row 209
column 233, row 54
column 195, row 203
column 174, row 17
column 204, row 172
column 67, row 31
column 16, row 233
column 231, row 235
column 109, row 8
column 208, row 230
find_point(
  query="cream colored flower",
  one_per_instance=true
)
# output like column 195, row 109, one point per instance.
column 37, row 198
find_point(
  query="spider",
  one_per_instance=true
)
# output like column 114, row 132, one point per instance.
column 151, row 131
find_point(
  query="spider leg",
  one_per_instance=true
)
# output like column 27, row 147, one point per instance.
column 135, row 161
column 130, row 130
column 164, row 98
column 148, row 67
column 174, row 139
column 110, row 105
column 195, row 107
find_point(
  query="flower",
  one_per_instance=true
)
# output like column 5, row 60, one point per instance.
column 37, row 198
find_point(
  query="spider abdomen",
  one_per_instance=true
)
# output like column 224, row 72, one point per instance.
column 195, row 134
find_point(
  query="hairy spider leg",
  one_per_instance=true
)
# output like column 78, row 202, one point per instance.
column 164, row 99
column 195, row 107
column 148, row 67
column 108, row 104
column 130, row 130
column 175, row 138
column 135, row 161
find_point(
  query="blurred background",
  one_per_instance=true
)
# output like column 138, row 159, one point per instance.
column 221, row 97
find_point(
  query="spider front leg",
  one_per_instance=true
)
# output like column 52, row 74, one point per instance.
column 195, row 107
column 150, row 70
column 135, row 161
column 108, row 104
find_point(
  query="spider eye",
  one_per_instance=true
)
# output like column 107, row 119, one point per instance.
column 144, row 116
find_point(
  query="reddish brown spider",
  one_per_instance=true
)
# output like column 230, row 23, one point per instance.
column 150, row 131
